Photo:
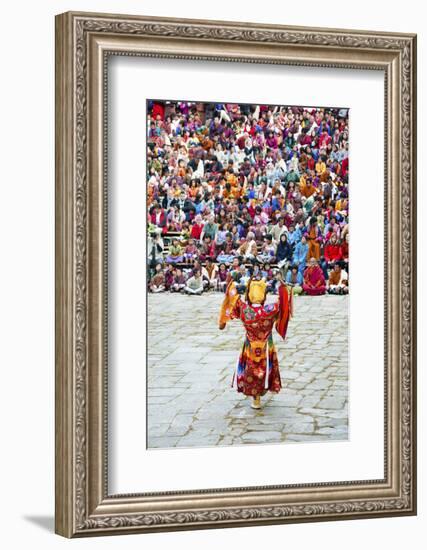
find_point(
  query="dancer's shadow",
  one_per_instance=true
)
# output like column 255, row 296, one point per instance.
column 45, row 522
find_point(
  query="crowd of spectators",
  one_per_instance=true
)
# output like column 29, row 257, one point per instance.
column 240, row 190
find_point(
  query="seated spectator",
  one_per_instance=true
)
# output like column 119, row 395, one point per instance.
column 242, row 277
column 179, row 281
column 185, row 233
column 268, row 250
column 344, row 248
column 220, row 236
column 207, row 250
column 314, row 280
column 247, row 170
column 268, row 274
column 234, row 269
column 275, row 281
column 227, row 250
column 338, row 281
column 175, row 253
column 248, row 250
column 205, row 275
column 170, row 273
column 260, row 231
column 157, row 282
column 174, row 219
column 210, row 228
column 332, row 228
column 278, row 229
column 190, row 252
column 333, row 250
column 294, row 279
column 197, row 228
column 222, row 277
column 283, row 253
column 158, row 218
column 194, row 284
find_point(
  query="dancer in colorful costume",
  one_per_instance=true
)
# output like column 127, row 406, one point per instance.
column 257, row 369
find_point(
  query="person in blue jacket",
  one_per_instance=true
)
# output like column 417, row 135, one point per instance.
column 294, row 279
column 300, row 254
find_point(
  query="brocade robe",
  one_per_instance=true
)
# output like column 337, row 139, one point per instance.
column 257, row 368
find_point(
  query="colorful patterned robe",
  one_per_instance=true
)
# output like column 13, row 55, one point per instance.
column 257, row 369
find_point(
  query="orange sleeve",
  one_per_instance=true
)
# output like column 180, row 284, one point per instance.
column 285, row 310
column 230, row 308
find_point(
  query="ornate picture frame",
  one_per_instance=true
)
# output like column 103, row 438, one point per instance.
column 84, row 42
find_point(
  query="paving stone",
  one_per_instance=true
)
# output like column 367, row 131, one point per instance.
column 261, row 436
column 299, row 428
column 332, row 403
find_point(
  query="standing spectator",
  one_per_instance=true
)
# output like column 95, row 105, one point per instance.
column 314, row 238
column 300, row 254
column 212, row 270
column 155, row 248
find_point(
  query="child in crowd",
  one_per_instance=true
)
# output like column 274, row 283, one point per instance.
column 207, row 249
column 157, row 282
column 227, row 250
column 190, row 252
column 169, row 276
column 268, row 250
column 179, row 281
column 175, row 253
column 294, row 279
column 222, row 277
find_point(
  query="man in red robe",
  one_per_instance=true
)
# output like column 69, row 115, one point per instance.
column 257, row 369
column 314, row 280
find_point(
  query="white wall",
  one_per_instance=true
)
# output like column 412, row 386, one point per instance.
column 27, row 241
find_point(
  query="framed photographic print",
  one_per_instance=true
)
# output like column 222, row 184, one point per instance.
column 235, row 274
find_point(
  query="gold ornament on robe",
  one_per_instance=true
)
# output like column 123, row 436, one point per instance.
column 257, row 350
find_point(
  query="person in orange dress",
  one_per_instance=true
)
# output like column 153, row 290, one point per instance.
column 257, row 368
column 314, row 239
column 307, row 189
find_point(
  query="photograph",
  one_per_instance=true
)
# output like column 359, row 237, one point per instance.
column 247, row 273
column 218, row 363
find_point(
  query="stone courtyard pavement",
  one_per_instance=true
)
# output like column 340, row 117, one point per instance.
column 191, row 364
